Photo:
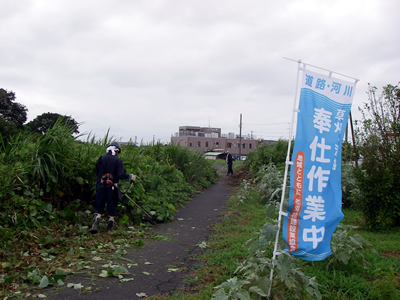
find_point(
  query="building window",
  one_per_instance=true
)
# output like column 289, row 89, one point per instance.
column 228, row 145
column 217, row 144
column 207, row 144
column 190, row 145
column 250, row 146
column 244, row 146
column 198, row 144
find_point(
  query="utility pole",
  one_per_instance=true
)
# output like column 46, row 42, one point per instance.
column 240, row 137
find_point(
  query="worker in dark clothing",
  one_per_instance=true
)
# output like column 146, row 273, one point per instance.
column 109, row 170
column 229, row 161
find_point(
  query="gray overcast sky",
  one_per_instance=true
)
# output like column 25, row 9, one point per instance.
column 144, row 68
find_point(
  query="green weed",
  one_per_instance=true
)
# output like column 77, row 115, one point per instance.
column 47, row 195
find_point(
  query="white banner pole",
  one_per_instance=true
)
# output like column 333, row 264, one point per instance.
column 305, row 64
column 288, row 162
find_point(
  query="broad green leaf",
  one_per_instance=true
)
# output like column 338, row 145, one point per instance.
column 6, row 265
column 221, row 295
column 256, row 289
column 344, row 257
column 48, row 208
column 243, row 295
column 140, row 243
column 270, row 211
column 32, row 211
column 103, row 273
column 120, row 269
column 269, row 231
column 79, row 180
column 10, row 279
column 57, row 277
column 60, row 282
column 44, row 282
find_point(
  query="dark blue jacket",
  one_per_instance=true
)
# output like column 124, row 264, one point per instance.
column 112, row 164
column 229, row 158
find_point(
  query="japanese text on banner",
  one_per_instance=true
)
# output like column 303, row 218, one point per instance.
column 314, row 209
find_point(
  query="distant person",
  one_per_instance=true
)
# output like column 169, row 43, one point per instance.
column 229, row 161
column 109, row 170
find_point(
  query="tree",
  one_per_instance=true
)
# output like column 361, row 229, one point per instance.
column 378, row 138
column 41, row 124
column 12, row 114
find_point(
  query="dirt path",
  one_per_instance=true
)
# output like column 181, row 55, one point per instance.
column 163, row 265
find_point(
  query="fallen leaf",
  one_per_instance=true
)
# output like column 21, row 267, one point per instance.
column 141, row 295
column 173, row 269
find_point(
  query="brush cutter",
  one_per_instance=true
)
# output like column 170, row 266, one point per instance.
column 147, row 217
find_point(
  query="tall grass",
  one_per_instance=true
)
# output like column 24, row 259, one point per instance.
column 192, row 164
column 56, row 172
column 48, row 160
column 167, row 176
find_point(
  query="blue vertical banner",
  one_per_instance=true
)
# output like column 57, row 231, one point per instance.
column 315, row 198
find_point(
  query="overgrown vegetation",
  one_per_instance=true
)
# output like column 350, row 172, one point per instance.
column 268, row 154
column 378, row 139
column 47, row 195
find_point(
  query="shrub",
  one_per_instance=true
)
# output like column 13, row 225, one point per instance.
column 266, row 154
column 378, row 138
column 269, row 183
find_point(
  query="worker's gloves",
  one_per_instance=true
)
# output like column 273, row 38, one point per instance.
column 132, row 177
